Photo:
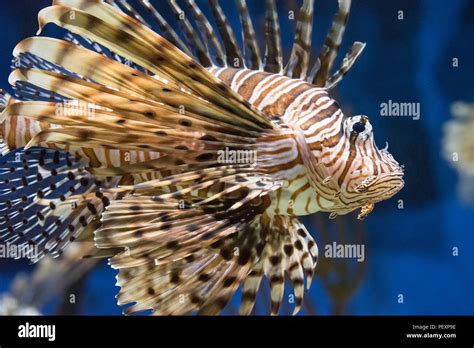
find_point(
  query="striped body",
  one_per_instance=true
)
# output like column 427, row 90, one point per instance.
column 313, row 126
column 274, row 94
column 295, row 105
column 284, row 99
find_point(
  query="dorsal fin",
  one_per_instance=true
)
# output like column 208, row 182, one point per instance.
column 193, row 38
column 297, row 66
column 234, row 56
column 168, row 31
column 332, row 43
column 273, row 51
column 209, row 52
column 251, row 50
column 347, row 63
column 124, row 5
column 144, row 47
column 206, row 27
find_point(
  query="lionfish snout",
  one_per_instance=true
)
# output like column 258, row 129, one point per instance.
column 387, row 185
column 373, row 189
column 394, row 173
column 374, row 174
column 386, row 179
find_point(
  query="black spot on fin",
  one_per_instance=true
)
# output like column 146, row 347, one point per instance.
column 37, row 206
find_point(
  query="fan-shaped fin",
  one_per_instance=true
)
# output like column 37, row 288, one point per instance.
column 183, row 259
column 35, row 200
column 144, row 47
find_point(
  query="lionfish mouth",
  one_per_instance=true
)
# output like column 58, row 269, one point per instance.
column 379, row 188
column 395, row 187
column 372, row 190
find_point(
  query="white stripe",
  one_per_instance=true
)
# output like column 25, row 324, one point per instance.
column 245, row 78
column 310, row 131
column 7, row 129
column 261, row 86
column 219, row 71
column 328, row 102
column 303, row 99
column 271, row 98
column 233, row 84
column 20, row 131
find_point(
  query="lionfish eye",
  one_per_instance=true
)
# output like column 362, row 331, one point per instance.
column 358, row 127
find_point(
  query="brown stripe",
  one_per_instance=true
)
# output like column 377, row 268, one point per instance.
column 11, row 138
column 285, row 166
column 328, row 142
column 248, row 87
column 318, row 117
column 352, row 154
column 93, row 160
column 270, row 88
column 279, row 107
column 295, row 195
column 227, row 75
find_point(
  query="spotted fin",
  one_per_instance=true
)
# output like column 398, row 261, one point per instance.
column 39, row 203
column 180, row 258
column 292, row 254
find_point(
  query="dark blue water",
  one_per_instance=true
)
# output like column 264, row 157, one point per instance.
column 409, row 251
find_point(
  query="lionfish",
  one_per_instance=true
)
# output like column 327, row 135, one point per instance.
column 141, row 172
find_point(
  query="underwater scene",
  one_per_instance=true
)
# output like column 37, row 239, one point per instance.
column 237, row 157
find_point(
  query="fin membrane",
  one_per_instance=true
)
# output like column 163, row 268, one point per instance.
column 35, row 205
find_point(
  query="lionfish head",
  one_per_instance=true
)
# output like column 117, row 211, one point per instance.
column 365, row 174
